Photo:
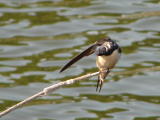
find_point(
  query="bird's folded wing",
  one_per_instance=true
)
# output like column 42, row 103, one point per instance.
column 86, row 52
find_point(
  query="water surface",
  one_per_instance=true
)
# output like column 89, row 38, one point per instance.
column 37, row 37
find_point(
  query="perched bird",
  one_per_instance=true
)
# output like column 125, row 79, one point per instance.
column 108, row 53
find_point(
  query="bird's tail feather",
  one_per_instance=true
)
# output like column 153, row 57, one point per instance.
column 101, row 77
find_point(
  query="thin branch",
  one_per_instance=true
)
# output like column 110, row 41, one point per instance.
column 52, row 88
column 47, row 91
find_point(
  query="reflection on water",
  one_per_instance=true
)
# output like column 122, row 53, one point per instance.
column 37, row 37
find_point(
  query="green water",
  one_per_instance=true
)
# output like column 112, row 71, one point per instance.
column 37, row 37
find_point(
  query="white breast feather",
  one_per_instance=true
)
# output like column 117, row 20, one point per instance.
column 104, row 62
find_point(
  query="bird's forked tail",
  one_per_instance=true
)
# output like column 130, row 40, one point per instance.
column 101, row 77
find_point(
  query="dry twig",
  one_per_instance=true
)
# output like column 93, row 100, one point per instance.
column 52, row 88
column 46, row 91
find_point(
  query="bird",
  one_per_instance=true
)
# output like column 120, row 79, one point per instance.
column 108, row 53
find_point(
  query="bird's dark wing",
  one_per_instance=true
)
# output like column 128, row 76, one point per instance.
column 86, row 52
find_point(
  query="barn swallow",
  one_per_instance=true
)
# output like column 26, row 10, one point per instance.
column 108, row 53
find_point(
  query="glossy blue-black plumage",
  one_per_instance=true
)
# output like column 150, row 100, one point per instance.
column 105, row 50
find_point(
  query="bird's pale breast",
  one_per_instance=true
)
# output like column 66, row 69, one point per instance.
column 104, row 62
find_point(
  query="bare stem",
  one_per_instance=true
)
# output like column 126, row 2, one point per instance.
column 52, row 88
column 46, row 91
